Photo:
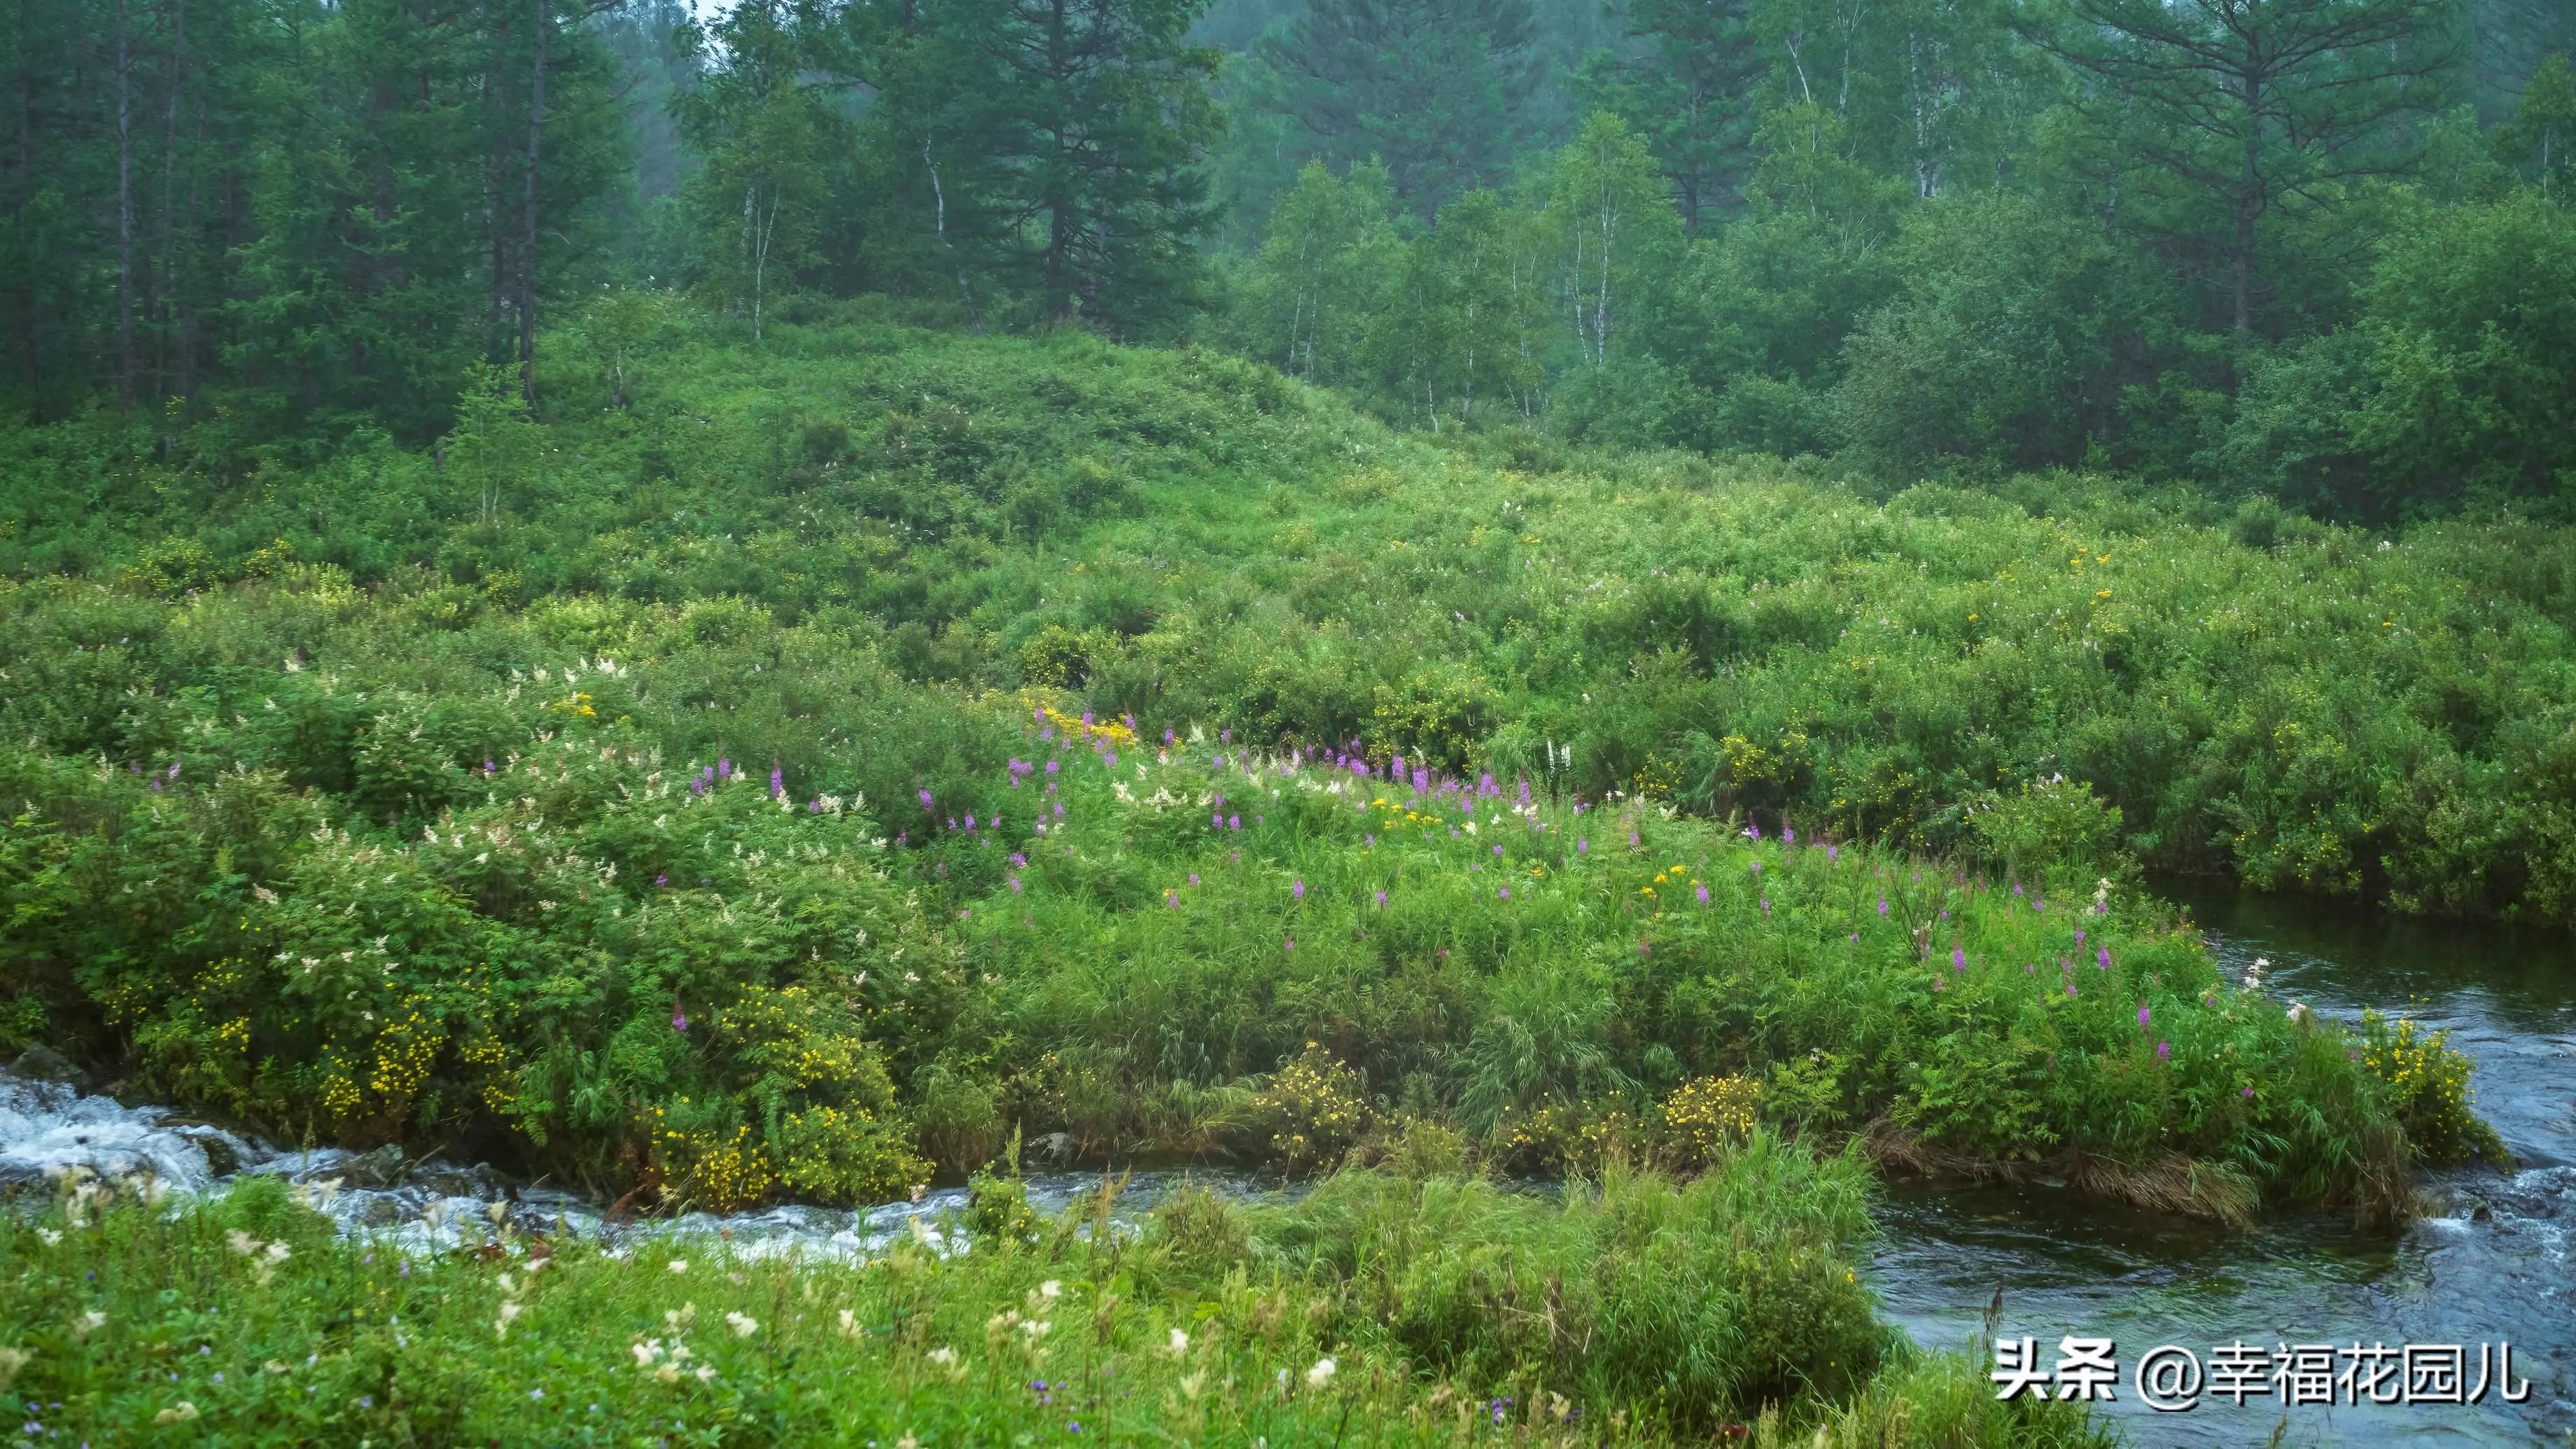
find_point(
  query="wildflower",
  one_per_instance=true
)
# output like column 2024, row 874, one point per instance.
column 1882, row 905
column 1170, row 898
column 2164, row 1051
column 1504, row 894
column 1297, row 891
column 1958, row 958
column 2247, row 1093
column 1833, row 854
column 1757, row 867
column 178, row 1413
column 2298, row 1012
column 1766, row 905
column 1291, row 944
column 2142, row 1018
column 1582, row 846
column 1321, row 1374
column 1642, row 949
column 680, row 1024
column 679, row 1265
column 943, row 1356
column 1381, row 899
column 1703, row 895
column 743, row 1324
column 1180, row 1344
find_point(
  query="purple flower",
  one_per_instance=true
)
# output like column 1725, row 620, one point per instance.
column 2102, row 958
column 662, row 880
column 2142, row 1018
column 1421, row 781
column 679, row 1018
column 2247, row 1093
column 1369, row 839
column 1381, row 899
column 970, row 819
column 1234, row 822
column 1059, row 810
column 1291, row 944
column 1787, row 835
column 2016, row 887
column 1833, row 854
column 1504, row 894
column 1018, row 859
column 2079, row 938
column 488, row 771
column 1766, row 905
column 1194, row 877
column 1297, row 891
column 1113, row 759
column 1172, row 899
column 2070, row 988
column 1167, row 739
column 1958, row 958
column 2164, row 1051
column 1498, row 850
column 1703, row 895
column 1757, row 867
column 724, row 768
column 1216, row 820
column 925, row 799
column 1225, row 736
column 777, row 782
column 1582, row 846
column 1882, row 905
column 1632, row 840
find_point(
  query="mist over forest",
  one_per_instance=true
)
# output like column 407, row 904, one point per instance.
column 2312, row 250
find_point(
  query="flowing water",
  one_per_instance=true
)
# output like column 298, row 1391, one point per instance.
column 2492, row 1265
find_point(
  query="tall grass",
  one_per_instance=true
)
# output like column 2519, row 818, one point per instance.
column 1340, row 1321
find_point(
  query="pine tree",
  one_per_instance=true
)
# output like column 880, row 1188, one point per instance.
column 1435, row 89
column 2256, row 105
column 1690, row 92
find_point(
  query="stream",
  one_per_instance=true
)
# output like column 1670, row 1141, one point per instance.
column 2492, row 1265
column 2466, row 1276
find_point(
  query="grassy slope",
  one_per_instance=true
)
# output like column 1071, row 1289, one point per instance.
column 774, row 550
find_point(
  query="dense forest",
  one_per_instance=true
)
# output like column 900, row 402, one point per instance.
column 2313, row 250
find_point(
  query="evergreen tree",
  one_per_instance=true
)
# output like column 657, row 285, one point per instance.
column 2253, row 106
column 1090, row 119
column 1690, row 92
column 1436, row 89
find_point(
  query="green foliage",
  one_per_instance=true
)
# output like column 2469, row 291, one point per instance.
column 1692, row 1305
column 2052, row 831
column 2427, row 1080
column 246, row 1316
